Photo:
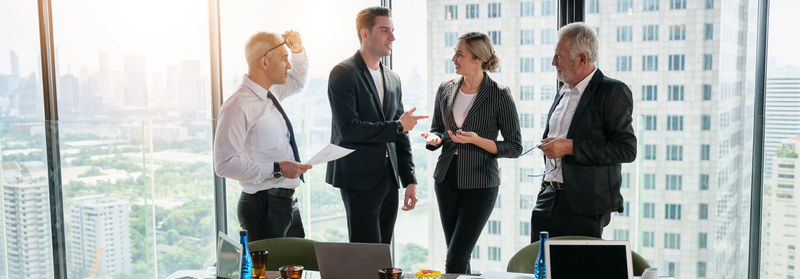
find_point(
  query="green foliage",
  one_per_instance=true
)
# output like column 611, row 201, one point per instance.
column 194, row 218
column 117, row 161
column 414, row 257
column 25, row 157
column 185, row 255
column 94, row 171
column 785, row 152
column 171, row 237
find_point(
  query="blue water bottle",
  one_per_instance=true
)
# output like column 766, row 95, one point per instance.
column 539, row 271
column 247, row 262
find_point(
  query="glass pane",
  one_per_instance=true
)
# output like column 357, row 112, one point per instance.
column 525, row 49
column 320, row 204
column 412, row 230
column 703, row 228
column 25, row 231
column 781, row 146
column 135, row 127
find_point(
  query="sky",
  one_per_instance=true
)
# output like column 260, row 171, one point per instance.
column 177, row 30
column 783, row 40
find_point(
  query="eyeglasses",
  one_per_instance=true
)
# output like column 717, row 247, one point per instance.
column 287, row 42
column 546, row 171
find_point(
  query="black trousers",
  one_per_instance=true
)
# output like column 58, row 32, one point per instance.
column 267, row 214
column 371, row 213
column 552, row 214
column 464, row 213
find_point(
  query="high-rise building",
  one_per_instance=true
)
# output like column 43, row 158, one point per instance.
column 524, row 39
column 782, row 113
column 14, row 64
column 687, row 194
column 781, row 238
column 26, row 208
column 99, row 233
column 135, row 79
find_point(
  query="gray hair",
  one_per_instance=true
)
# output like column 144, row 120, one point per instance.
column 583, row 40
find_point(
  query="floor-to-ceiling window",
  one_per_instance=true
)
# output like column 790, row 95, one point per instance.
column 135, row 136
column 779, row 234
column 135, row 128
column 24, row 206
column 690, row 66
column 523, row 34
column 327, row 29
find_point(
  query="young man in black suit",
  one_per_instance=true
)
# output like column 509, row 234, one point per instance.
column 588, row 135
column 368, row 116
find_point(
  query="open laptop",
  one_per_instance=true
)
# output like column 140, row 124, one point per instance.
column 351, row 260
column 591, row 259
column 229, row 257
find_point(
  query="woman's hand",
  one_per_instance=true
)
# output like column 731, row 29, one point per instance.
column 464, row 137
column 432, row 139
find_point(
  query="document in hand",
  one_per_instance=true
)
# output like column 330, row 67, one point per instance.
column 329, row 153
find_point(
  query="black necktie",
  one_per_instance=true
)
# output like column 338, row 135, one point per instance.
column 288, row 126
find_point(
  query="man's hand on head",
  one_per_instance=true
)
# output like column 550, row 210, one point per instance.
column 293, row 41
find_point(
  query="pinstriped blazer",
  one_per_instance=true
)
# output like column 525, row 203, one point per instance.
column 492, row 111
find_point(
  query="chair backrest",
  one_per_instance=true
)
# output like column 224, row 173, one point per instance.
column 523, row 260
column 287, row 251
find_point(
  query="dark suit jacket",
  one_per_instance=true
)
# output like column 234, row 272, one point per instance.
column 360, row 122
column 492, row 110
column 602, row 138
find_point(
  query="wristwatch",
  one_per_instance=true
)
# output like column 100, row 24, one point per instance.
column 399, row 127
column 276, row 171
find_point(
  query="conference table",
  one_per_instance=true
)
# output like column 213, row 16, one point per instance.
column 276, row 274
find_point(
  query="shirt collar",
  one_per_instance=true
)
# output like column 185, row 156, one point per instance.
column 254, row 87
column 581, row 86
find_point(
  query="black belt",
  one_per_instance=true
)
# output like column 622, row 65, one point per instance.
column 555, row 185
column 280, row 192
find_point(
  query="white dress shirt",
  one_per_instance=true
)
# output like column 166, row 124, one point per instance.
column 252, row 134
column 561, row 119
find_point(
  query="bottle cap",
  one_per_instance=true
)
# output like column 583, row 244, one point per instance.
column 243, row 233
column 544, row 234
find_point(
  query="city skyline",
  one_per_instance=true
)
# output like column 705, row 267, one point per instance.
column 157, row 133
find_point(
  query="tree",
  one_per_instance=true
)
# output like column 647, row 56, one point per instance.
column 414, row 257
column 172, row 237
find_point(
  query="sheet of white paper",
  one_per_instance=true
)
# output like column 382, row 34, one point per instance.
column 498, row 275
column 329, row 153
column 309, row 274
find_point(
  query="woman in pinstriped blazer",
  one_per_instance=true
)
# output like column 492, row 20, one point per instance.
column 469, row 113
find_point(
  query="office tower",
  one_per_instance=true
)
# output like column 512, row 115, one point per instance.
column 14, row 64
column 783, row 111
column 69, row 93
column 28, row 247
column 135, row 80
column 524, row 39
column 781, row 194
column 191, row 87
column 687, row 195
column 99, row 233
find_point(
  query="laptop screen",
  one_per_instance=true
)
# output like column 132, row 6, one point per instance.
column 229, row 257
column 596, row 259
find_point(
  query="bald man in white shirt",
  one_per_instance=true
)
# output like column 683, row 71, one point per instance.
column 255, row 143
